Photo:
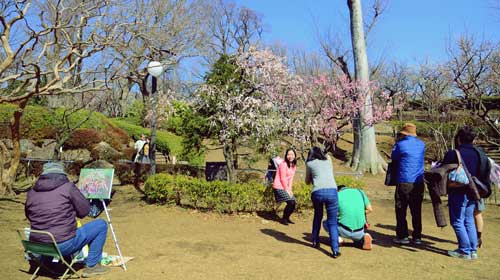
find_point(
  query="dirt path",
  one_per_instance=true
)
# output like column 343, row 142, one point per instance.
column 176, row 243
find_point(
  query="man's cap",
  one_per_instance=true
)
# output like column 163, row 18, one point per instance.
column 53, row 168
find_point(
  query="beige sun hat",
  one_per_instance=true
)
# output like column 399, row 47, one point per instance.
column 409, row 129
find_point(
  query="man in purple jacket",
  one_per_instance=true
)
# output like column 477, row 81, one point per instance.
column 408, row 156
column 52, row 205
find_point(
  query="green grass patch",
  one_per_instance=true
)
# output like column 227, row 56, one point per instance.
column 38, row 122
column 165, row 141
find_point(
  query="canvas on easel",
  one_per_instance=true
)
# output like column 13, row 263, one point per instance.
column 96, row 183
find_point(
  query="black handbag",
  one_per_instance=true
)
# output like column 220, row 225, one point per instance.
column 390, row 175
column 483, row 190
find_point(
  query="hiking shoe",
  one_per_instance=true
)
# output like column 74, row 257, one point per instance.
column 402, row 241
column 473, row 255
column 417, row 241
column 458, row 254
column 97, row 269
column 367, row 242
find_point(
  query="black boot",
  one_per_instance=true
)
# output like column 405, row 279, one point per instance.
column 290, row 206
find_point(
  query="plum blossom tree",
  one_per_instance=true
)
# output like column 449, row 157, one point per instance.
column 328, row 105
column 253, row 96
column 238, row 100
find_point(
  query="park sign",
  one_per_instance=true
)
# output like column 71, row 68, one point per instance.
column 96, row 183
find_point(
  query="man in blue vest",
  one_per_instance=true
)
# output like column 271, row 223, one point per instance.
column 408, row 158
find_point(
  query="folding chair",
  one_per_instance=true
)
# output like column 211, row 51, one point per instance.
column 45, row 249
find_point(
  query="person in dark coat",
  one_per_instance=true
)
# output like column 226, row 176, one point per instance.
column 461, row 205
column 408, row 156
column 52, row 205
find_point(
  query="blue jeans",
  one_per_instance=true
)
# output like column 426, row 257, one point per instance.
column 462, row 220
column 357, row 236
column 93, row 234
column 328, row 198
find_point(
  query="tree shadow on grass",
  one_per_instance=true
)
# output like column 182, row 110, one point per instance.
column 283, row 237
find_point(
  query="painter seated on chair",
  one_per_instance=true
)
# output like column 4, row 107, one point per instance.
column 52, row 205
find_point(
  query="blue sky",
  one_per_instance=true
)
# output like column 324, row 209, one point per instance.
column 409, row 31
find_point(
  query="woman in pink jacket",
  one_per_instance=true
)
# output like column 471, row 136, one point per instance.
column 282, row 185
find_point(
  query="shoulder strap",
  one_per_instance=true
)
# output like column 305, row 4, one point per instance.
column 459, row 158
column 141, row 151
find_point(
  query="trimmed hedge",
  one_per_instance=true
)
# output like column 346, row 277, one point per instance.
column 220, row 196
column 224, row 197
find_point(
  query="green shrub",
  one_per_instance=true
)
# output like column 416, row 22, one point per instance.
column 220, row 196
column 302, row 193
column 224, row 197
column 350, row 181
column 124, row 172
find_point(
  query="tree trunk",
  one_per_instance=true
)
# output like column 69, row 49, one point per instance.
column 365, row 156
column 15, row 125
column 229, row 151
column 3, row 155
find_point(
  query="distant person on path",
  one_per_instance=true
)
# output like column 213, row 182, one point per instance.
column 282, row 185
column 319, row 172
column 408, row 159
column 52, row 205
column 462, row 208
column 354, row 205
column 140, row 147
